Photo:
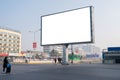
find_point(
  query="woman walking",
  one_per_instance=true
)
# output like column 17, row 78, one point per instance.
column 5, row 62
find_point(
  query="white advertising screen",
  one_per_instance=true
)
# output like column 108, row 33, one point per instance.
column 68, row 27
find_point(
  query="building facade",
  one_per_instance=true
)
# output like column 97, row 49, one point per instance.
column 10, row 41
column 83, row 50
column 48, row 49
column 111, row 55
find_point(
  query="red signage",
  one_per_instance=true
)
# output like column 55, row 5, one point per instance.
column 34, row 44
column 3, row 54
column 77, row 51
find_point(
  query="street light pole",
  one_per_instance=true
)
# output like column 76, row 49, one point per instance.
column 35, row 32
column 34, row 42
column 72, row 53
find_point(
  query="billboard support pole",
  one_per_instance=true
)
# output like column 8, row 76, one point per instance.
column 65, row 55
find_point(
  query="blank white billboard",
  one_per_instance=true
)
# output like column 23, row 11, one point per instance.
column 68, row 27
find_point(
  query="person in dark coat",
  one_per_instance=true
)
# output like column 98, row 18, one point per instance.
column 59, row 60
column 5, row 62
column 55, row 60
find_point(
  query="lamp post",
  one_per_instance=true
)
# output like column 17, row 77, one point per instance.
column 34, row 42
column 72, row 53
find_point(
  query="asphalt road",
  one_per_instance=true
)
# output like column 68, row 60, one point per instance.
column 83, row 71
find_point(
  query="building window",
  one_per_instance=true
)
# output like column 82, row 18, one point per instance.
column 18, row 38
column 9, row 49
column 4, row 44
column 10, row 36
column 9, row 40
column 5, row 40
column 5, row 35
column 14, row 37
column 14, row 45
column 17, row 41
column 17, row 45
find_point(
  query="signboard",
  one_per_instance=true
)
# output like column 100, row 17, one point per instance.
column 3, row 54
column 67, row 27
column 34, row 45
column 113, row 48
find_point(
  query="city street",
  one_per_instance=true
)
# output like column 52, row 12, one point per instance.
column 82, row 71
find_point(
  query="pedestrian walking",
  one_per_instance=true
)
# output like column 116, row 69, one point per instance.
column 6, row 65
column 59, row 60
column 5, row 62
column 55, row 60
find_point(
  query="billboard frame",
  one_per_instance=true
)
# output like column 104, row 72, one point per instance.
column 91, row 27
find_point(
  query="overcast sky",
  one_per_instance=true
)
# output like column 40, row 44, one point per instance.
column 24, row 15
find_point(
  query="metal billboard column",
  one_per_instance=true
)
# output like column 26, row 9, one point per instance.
column 65, row 55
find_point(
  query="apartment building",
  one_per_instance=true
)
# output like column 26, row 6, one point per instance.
column 10, row 41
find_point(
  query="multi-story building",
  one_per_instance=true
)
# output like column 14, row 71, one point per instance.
column 10, row 41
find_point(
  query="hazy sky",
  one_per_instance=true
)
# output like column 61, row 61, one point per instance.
column 24, row 15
